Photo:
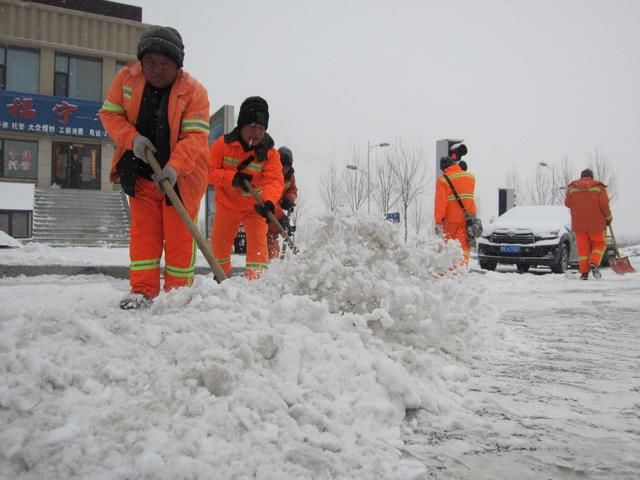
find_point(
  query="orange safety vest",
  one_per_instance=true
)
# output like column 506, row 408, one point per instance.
column 446, row 207
column 267, row 179
column 188, row 113
column 589, row 204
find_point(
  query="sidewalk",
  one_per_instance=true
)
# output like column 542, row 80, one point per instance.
column 38, row 259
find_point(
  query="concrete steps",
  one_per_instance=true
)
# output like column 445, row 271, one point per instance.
column 86, row 218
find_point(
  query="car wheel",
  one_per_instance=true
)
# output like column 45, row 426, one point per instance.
column 563, row 261
column 523, row 267
column 488, row 265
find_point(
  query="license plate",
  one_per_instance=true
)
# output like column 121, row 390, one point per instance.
column 510, row 248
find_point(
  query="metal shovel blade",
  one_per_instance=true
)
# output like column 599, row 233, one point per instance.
column 621, row 265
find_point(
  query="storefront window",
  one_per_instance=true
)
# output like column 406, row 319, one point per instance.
column 16, row 223
column 78, row 77
column 19, row 69
column 19, row 159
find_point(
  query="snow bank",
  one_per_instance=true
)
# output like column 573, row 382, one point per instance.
column 8, row 241
column 307, row 373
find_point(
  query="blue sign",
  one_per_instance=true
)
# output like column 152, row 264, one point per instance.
column 48, row 115
column 393, row 217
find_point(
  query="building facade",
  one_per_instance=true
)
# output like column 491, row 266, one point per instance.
column 57, row 61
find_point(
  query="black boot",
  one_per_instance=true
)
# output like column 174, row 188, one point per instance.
column 595, row 271
column 584, row 276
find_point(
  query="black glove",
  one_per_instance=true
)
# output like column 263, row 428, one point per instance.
column 284, row 223
column 238, row 180
column 287, row 204
column 263, row 210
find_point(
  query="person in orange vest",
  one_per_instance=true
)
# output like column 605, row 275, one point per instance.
column 153, row 104
column 588, row 201
column 287, row 202
column 245, row 154
column 448, row 215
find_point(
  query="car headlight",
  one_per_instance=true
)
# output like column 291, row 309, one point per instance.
column 548, row 235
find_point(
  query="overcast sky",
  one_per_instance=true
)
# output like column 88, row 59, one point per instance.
column 520, row 81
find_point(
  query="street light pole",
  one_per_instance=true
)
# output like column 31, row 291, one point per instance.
column 553, row 181
column 369, row 148
column 368, row 178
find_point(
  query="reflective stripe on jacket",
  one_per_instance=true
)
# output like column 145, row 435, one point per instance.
column 588, row 201
column 188, row 124
column 267, row 178
column 446, row 207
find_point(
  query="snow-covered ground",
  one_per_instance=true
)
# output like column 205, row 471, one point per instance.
column 360, row 358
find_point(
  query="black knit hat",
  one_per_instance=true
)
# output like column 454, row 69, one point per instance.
column 586, row 173
column 254, row 110
column 286, row 156
column 446, row 162
column 164, row 40
column 457, row 151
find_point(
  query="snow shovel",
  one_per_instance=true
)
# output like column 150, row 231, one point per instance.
column 272, row 218
column 284, row 247
column 620, row 265
column 195, row 233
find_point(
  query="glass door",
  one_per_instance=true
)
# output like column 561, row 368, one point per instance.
column 76, row 165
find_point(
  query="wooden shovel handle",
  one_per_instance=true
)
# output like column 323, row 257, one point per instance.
column 272, row 218
column 195, row 233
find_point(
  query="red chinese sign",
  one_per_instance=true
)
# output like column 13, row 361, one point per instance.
column 22, row 108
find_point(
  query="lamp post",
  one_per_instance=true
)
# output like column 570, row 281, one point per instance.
column 553, row 181
column 369, row 148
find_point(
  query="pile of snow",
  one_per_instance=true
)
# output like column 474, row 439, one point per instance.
column 7, row 241
column 306, row 373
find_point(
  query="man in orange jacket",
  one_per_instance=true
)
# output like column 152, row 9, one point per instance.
column 153, row 104
column 286, row 204
column 588, row 201
column 245, row 154
column 448, row 215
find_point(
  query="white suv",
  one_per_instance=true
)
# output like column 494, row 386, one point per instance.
column 530, row 236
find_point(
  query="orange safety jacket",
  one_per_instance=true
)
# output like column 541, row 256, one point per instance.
column 589, row 204
column 266, row 175
column 188, row 113
column 290, row 192
column 446, row 207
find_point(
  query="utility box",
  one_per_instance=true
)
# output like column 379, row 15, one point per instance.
column 506, row 199
column 442, row 150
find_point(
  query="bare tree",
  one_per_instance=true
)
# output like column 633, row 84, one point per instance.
column 541, row 191
column 298, row 212
column 565, row 175
column 355, row 184
column 408, row 170
column 331, row 191
column 603, row 172
column 549, row 184
column 419, row 217
column 546, row 188
column 385, row 185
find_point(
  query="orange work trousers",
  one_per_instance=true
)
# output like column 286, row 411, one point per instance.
column 273, row 241
column 225, row 228
column 591, row 247
column 458, row 231
column 156, row 226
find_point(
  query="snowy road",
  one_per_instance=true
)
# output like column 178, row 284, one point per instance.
column 564, row 405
